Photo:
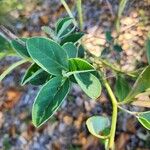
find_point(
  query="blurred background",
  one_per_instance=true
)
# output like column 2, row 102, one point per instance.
column 66, row 130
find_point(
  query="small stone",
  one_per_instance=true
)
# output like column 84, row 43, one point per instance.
column 79, row 101
column 68, row 120
column 77, row 124
column 127, row 21
column 128, row 36
column 87, row 106
column 99, row 41
column 76, row 90
column 22, row 138
column 134, row 14
column 129, row 52
column 2, row 119
column 133, row 32
column 62, row 127
column 125, row 47
column 83, row 141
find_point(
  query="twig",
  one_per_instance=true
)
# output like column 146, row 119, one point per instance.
column 10, row 35
column 110, row 8
column 128, row 111
column 68, row 11
column 80, row 13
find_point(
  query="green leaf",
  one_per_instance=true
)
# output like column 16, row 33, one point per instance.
column 144, row 119
column 74, row 37
column 78, row 65
column 122, row 88
column 105, row 52
column 71, row 49
column 109, row 38
column 122, row 5
column 49, row 55
column 4, row 44
column 35, row 75
column 81, row 51
column 148, row 50
column 65, row 27
column 97, row 126
column 49, row 99
column 141, row 85
column 118, row 48
column 60, row 23
column 89, row 84
column 12, row 67
column 49, row 31
column 19, row 46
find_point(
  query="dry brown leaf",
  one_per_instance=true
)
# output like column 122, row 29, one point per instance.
column 141, row 103
column 142, row 99
column 12, row 97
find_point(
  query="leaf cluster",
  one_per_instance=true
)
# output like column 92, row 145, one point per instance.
column 57, row 62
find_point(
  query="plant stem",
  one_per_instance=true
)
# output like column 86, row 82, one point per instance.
column 102, row 62
column 114, row 115
column 68, row 11
column 128, row 111
column 122, row 5
column 12, row 67
column 79, row 8
column 115, row 68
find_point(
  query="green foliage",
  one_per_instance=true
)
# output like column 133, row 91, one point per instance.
column 71, row 50
column 35, row 75
column 148, row 50
column 62, row 27
column 122, row 87
column 48, row 55
column 5, row 47
column 4, row 44
column 50, row 32
column 72, row 38
column 81, row 51
column 77, row 65
column 12, row 67
column 117, row 48
column 59, row 60
column 64, row 31
column 122, row 5
column 19, row 46
column 144, row 119
column 141, row 85
column 108, row 36
column 98, row 126
column 89, row 84
column 46, row 104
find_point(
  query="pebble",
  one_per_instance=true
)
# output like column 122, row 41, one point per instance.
column 127, row 21
column 129, row 52
column 62, row 127
column 76, row 90
column 2, row 119
column 128, row 36
column 22, row 140
column 79, row 101
column 68, row 120
column 87, row 106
